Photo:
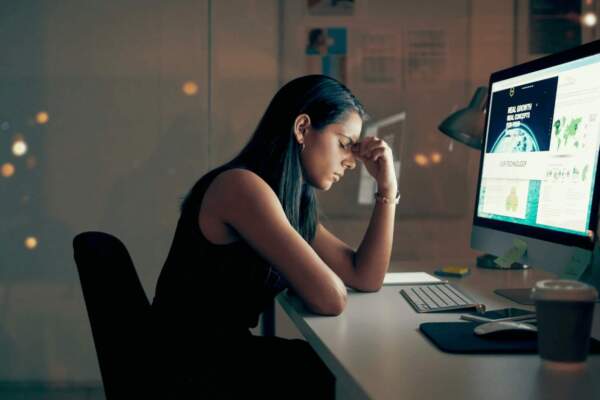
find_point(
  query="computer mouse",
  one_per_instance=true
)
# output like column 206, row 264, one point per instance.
column 509, row 330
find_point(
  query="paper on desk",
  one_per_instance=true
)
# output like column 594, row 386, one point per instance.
column 513, row 254
column 579, row 263
column 409, row 278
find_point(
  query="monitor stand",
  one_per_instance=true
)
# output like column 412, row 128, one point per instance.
column 521, row 296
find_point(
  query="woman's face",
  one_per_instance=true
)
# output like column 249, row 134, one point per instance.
column 327, row 153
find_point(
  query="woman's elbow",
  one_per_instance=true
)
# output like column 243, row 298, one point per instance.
column 340, row 304
column 334, row 306
column 368, row 286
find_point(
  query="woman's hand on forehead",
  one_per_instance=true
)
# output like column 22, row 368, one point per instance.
column 377, row 157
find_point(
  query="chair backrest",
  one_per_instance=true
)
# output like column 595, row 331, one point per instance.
column 118, row 310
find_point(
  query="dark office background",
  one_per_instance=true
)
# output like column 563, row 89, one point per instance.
column 110, row 110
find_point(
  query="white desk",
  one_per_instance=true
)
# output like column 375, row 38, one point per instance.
column 376, row 350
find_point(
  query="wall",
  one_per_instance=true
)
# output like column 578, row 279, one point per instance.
column 123, row 143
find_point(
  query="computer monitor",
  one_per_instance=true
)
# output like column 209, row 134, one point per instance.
column 538, row 177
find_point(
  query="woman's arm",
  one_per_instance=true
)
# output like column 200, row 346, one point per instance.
column 373, row 255
column 243, row 201
column 365, row 268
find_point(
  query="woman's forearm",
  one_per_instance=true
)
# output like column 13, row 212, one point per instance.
column 372, row 258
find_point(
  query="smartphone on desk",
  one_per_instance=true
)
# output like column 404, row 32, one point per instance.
column 503, row 314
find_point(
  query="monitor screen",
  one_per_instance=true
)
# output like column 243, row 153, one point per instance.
column 540, row 151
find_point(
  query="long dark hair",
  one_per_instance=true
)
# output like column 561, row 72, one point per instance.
column 274, row 154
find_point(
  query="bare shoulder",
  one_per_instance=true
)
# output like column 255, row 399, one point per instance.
column 240, row 193
column 233, row 196
column 240, row 184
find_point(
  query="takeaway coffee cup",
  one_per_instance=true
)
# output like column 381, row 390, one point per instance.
column 564, row 311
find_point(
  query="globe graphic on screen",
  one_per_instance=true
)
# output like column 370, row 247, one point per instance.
column 516, row 140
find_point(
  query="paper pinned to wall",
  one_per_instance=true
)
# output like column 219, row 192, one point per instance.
column 330, row 8
column 380, row 58
column 426, row 55
column 326, row 50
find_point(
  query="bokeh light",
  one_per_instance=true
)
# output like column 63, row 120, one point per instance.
column 589, row 19
column 19, row 147
column 42, row 117
column 421, row 160
column 7, row 170
column 31, row 242
column 436, row 157
column 190, row 88
column 31, row 162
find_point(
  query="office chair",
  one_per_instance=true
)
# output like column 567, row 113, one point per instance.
column 119, row 313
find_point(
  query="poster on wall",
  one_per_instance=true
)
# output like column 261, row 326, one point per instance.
column 330, row 7
column 326, row 51
column 380, row 58
column 426, row 55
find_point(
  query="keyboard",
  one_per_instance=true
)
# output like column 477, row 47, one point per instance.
column 437, row 297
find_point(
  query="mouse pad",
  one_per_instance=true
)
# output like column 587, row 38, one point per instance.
column 458, row 337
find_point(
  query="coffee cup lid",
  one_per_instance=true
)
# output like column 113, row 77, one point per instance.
column 563, row 290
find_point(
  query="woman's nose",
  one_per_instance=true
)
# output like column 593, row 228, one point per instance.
column 349, row 162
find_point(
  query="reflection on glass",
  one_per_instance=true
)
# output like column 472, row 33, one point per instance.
column 19, row 147
column 31, row 162
column 190, row 88
column 41, row 117
column 421, row 160
column 589, row 20
column 8, row 170
column 31, row 242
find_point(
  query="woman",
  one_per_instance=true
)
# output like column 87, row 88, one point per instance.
column 250, row 229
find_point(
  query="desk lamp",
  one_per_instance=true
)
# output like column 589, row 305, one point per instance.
column 466, row 126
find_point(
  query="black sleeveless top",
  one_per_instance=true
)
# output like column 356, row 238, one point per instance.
column 210, row 290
